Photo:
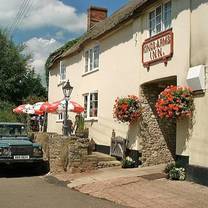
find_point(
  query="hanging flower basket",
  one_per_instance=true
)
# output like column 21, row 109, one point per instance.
column 127, row 109
column 175, row 102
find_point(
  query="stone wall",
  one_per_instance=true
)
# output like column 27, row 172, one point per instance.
column 70, row 154
column 75, row 155
column 158, row 136
column 52, row 148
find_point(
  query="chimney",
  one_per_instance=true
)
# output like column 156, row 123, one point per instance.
column 95, row 15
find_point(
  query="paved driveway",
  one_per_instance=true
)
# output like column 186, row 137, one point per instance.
column 149, row 192
column 36, row 192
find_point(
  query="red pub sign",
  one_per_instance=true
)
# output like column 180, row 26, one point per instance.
column 157, row 48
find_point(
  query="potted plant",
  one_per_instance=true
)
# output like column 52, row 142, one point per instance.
column 175, row 171
column 127, row 109
column 175, row 102
column 79, row 126
column 128, row 162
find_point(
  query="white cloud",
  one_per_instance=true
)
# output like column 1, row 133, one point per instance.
column 40, row 49
column 43, row 13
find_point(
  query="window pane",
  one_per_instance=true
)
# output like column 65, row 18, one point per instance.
column 85, row 106
column 91, row 59
column 152, row 23
column 167, row 15
column 158, row 19
column 93, row 104
column 62, row 71
column 152, row 15
column 96, row 56
column 158, row 11
column 86, row 60
column 158, row 28
column 60, row 116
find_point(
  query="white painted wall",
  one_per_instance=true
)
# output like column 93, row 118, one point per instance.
column 121, row 73
column 117, row 76
column 199, row 55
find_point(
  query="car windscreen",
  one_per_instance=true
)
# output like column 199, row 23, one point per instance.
column 12, row 130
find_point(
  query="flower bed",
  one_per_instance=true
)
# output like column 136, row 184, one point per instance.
column 175, row 102
column 127, row 109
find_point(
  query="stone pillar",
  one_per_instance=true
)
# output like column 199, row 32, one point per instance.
column 55, row 148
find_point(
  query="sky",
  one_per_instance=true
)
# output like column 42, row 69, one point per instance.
column 45, row 25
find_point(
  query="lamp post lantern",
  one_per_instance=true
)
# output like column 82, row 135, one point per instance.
column 67, row 90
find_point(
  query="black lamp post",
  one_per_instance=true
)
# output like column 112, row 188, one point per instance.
column 67, row 90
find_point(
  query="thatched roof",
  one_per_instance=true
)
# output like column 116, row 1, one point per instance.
column 58, row 53
column 124, row 14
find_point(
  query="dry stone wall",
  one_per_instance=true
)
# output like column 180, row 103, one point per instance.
column 70, row 154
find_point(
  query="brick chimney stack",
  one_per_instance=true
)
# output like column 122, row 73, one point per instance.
column 95, row 15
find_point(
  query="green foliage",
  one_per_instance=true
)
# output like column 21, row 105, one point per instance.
column 175, row 171
column 56, row 54
column 32, row 99
column 6, row 114
column 128, row 162
column 79, row 123
column 17, row 80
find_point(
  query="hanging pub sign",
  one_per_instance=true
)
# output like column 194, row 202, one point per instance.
column 157, row 48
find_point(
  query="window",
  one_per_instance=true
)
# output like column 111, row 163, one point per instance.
column 92, row 59
column 91, row 105
column 62, row 71
column 160, row 19
column 60, row 117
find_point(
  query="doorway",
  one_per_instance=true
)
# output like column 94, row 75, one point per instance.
column 158, row 136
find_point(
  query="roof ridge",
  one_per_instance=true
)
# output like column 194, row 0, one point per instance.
column 121, row 15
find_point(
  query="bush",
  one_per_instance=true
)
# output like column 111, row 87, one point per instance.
column 6, row 114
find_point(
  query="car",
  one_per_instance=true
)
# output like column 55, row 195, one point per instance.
column 16, row 146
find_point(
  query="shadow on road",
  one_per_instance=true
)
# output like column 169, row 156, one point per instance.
column 23, row 170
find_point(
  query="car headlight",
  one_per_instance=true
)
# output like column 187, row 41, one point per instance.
column 1, row 151
column 5, row 151
column 37, row 151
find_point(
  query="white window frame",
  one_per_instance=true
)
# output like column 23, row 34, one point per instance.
column 60, row 117
column 61, row 67
column 87, row 116
column 162, row 21
column 90, row 60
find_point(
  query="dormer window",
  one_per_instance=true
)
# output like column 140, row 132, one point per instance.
column 92, row 59
column 160, row 19
column 62, row 71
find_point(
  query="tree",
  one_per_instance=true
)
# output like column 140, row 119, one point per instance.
column 6, row 114
column 17, row 80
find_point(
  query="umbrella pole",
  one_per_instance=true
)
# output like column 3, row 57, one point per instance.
column 28, row 122
column 39, row 123
column 44, row 121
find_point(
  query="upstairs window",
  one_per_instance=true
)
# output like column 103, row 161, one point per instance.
column 160, row 19
column 92, row 59
column 62, row 71
column 91, row 105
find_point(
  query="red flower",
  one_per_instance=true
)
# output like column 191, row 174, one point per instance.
column 127, row 109
column 175, row 102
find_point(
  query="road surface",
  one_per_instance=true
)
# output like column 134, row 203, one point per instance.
column 21, row 189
